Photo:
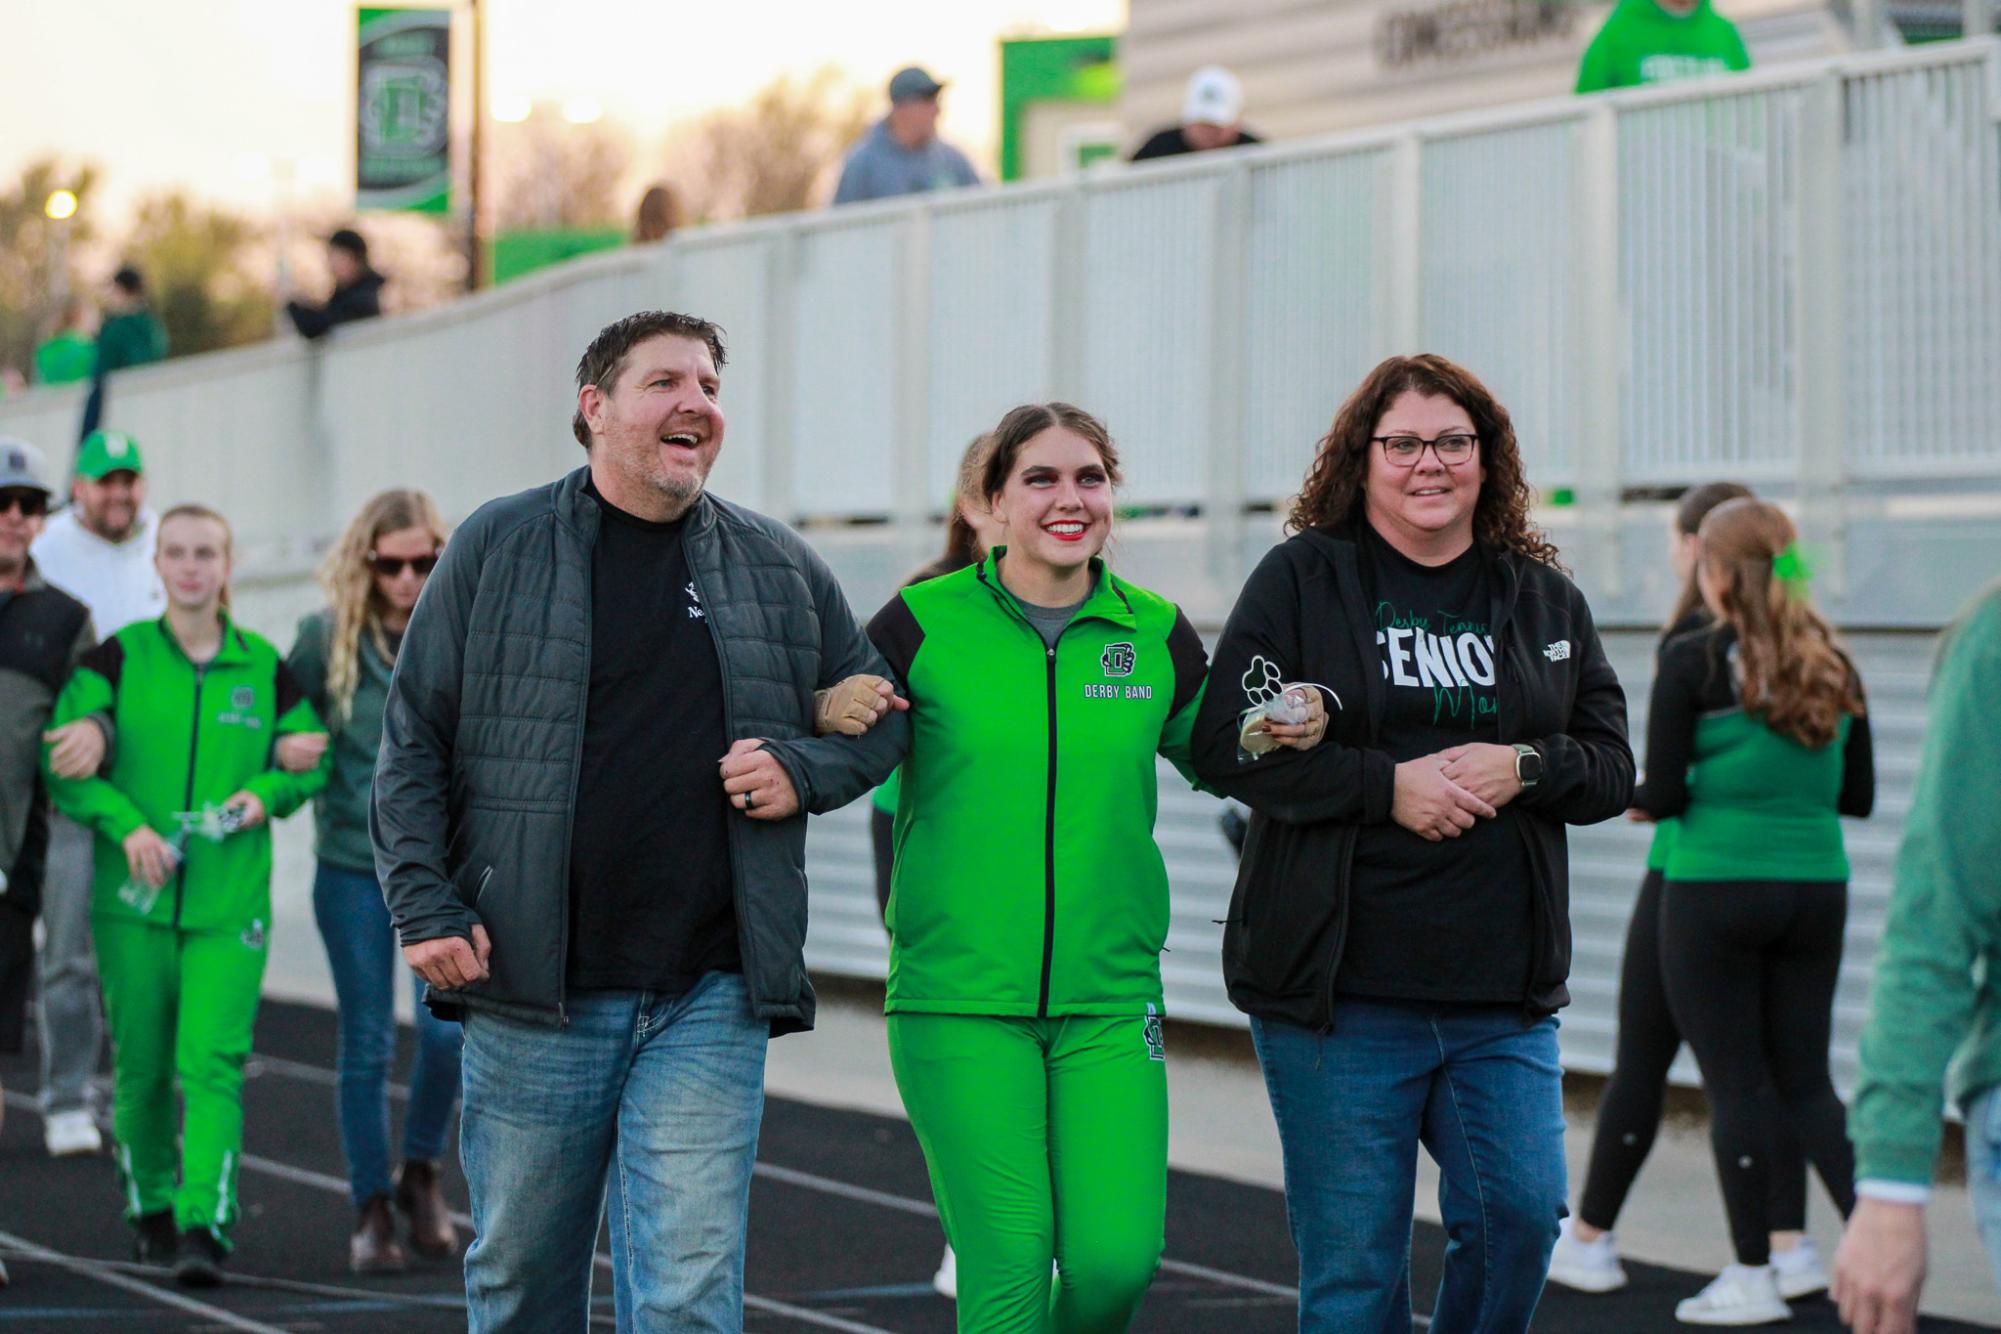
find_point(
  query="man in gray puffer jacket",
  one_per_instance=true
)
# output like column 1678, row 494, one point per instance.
column 589, row 822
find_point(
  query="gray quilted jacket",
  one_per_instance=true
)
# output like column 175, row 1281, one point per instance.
column 476, row 783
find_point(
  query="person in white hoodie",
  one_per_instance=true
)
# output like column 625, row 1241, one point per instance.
column 99, row 550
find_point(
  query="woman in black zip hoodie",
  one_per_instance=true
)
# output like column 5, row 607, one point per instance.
column 1400, row 930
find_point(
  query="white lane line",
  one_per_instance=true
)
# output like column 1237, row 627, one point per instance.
column 137, row 1287
column 866, row 1195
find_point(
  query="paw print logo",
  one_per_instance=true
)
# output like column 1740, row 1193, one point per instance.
column 1262, row 681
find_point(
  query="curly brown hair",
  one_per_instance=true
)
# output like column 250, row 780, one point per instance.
column 1332, row 494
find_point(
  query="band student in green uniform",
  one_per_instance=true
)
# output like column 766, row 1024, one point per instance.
column 1029, row 902
column 181, row 903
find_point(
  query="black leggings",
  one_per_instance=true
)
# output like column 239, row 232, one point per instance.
column 1750, row 968
column 1629, row 1113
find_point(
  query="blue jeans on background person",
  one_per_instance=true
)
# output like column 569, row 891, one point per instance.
column 1983, row 1170
column 663, row 1094
column 362, row 951
column 1482, row 1089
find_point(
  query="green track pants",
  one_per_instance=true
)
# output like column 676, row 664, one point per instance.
column 181, row 1005
column 1045, row 1138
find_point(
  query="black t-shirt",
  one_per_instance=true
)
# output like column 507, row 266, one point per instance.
column 1170, row 142
column 651, row 903
column 1446, row 921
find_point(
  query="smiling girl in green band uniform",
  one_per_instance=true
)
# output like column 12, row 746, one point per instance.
column 1029, row 903
column 181, row 907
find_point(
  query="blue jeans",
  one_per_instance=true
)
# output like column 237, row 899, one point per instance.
column 662, row 1093
column 1983, row 1170
column 1482, row 1090
column 361, row 949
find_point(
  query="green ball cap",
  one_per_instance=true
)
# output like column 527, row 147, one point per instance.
column 106, row 452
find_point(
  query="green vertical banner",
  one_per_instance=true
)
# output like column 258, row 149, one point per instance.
column 403, row 111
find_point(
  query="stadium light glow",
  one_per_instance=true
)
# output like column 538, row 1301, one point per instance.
column 61, row 206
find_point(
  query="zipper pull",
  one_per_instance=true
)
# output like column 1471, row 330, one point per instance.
column 1052, row 650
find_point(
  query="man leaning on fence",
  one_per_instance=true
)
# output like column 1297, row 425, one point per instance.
column 589, row 821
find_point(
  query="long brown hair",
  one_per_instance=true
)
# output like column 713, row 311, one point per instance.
column 1790, row 663
column 1333, row 492
column 196, row 510
column 1696, row 502
column 349, row 583
column 962, row 544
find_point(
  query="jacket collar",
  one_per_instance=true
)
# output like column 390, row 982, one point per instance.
column 231, row 650
column 1107, row 602
column 575, row 508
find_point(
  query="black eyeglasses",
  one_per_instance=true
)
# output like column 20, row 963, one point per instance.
column 1403, row 451
column 32, row 504
column 391, row 566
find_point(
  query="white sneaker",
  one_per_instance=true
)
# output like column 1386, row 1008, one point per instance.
column 71, row 1134
column 1799, row 1270
column 946, row 1281
column 1740, row 1295
column 1587, row 1266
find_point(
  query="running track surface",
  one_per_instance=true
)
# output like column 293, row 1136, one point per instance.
column 842, row 1233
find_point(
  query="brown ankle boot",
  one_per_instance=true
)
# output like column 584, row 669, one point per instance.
column 373, row 1249
column 423, row 1203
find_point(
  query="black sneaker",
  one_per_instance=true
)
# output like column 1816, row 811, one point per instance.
column 156, row 1242
column 203, row 1252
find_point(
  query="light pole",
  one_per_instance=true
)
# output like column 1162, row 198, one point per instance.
column 475, row 140
column 59, row 208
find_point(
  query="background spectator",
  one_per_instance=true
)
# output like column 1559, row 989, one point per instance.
column 357, row 291
column 1653, row 41
column 902, row 153
column 70, row 354
column 131, row 335
column 659, row 214
column 1212, row 113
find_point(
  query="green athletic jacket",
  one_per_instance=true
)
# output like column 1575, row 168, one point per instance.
column 1937, row 986
column 1027, row 880
column 187, row 735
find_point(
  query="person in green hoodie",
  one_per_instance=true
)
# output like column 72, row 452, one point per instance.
column 181, row 897
column 1654, row 41
column 131, row 335
column 1937, row 987
column 1024, row 993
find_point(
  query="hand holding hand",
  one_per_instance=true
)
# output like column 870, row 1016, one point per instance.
column 78, row 749
column 756, row 783
column 300, row 752
column 1484, row 769
column 451, row 962
column 1431, row 805
column 852, row 706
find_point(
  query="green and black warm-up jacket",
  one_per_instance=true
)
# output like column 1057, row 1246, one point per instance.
column 188, row 734
column 1027, row 881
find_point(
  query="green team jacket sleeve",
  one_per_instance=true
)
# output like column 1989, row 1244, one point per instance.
column 94, row 801
column 1937, row 984
column 282, row 791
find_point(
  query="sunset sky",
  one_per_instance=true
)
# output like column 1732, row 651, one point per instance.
column 200, row 93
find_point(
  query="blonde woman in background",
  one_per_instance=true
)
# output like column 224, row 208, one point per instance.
column 343, row 658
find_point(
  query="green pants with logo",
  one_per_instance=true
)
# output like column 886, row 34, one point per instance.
column 181, row 1006
column 1045, row 1138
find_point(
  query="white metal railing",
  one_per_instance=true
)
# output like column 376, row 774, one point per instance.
column 1791, row 275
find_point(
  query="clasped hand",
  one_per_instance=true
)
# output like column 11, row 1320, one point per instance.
column 1440, row 796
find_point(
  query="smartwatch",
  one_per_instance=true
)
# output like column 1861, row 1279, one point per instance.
column 1528, row 765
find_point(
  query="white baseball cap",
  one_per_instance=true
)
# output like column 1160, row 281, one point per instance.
column 1214, row 97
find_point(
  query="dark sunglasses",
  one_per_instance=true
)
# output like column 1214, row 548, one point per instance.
column 32, row 504
column 391, row 566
